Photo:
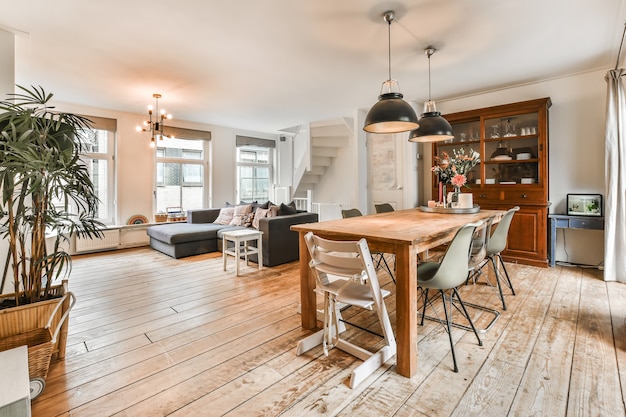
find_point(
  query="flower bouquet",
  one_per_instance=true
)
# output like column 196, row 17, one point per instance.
column 454, row 170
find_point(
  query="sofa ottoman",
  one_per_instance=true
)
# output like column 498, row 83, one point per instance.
column 185, row 239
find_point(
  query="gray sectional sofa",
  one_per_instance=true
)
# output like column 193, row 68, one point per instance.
column 200, row 235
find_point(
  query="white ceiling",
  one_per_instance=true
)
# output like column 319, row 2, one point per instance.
column 267, row 65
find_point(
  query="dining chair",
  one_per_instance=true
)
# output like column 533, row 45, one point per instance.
column 345, row 275
column 379, row 256
column 478, row 254
column 496, row 244
column 444, row 277
column 351, row 213
column 384, row 208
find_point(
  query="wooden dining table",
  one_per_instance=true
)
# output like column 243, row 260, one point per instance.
column 405, row 233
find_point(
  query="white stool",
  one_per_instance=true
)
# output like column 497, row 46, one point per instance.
column 239, row 237
column 15, row 387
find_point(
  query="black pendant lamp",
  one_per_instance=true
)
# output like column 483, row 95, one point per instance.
column 391, row 114
column 433, row 127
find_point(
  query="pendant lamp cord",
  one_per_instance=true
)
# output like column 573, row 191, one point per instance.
column 620, row 47
column 389, row 46
column 429, row 55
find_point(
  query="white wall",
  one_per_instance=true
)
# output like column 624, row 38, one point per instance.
column 342, row 182
column 7, row 63
column 284, row 161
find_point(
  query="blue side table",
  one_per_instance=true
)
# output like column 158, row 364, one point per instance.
column 565, row 221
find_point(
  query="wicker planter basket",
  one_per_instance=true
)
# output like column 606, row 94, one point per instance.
column 42, row 327
column 41, row 342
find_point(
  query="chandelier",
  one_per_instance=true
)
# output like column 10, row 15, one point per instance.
column 155, row 127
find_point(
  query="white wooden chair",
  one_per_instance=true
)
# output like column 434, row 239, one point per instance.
column 345, row 274
column 379, row 257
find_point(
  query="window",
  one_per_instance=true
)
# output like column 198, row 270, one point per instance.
column 99, row 156
column 254, row 168
column 181, row 170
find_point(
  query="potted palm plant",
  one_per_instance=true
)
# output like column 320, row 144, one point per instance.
column 47, row 196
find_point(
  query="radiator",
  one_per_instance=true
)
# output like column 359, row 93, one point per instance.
column 327, row 211
column 110, row 240
column 282, row 195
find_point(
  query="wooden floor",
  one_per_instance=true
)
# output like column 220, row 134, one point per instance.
column 151, row 336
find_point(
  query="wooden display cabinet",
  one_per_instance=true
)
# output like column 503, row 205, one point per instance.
column 512, row 140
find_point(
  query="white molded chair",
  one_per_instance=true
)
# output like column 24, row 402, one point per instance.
column 345, row 274
column 446, row 276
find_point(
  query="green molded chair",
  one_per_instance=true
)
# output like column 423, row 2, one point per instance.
column 351, row 213
column 445, row 276
column 496, row 244
column 384, row 208
column 345, row 274
column 478, row 255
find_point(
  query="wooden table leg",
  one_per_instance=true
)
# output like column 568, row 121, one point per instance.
column 406, row 309
column 307, row 287
column 224, row 249
column 259, row 244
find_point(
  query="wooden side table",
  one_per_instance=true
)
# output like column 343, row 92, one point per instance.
column 565, row 221
column 241, row 239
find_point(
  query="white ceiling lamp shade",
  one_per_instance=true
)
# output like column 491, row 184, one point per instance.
column 433, row 127
column 391, row 114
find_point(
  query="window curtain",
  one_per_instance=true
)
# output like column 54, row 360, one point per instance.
column 250, row 141
column 615, row 179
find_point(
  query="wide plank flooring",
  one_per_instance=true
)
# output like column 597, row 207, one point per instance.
column 156, row 336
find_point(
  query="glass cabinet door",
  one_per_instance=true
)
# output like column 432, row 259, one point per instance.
column 466, row 141
column 511, row 154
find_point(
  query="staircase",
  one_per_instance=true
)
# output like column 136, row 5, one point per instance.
column 327, row 138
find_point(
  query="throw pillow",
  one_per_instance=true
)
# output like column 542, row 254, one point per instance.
column 262, row 213
column 265, row 205
column 286, row 209
column 228, row 204
column 225, row 216
column 244, row 220
column 239, row 213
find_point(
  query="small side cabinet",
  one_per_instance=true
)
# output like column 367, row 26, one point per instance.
column 564, row 221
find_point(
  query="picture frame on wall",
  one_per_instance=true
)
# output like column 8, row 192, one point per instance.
column 584, row 205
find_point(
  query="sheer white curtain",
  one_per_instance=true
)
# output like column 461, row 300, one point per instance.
column 615, row 179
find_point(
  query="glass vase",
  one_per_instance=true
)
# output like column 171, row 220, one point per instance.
column 454, row 199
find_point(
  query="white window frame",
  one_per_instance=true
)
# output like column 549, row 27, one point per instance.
column 187, row 134
column 108, row 158
column 269, row 164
